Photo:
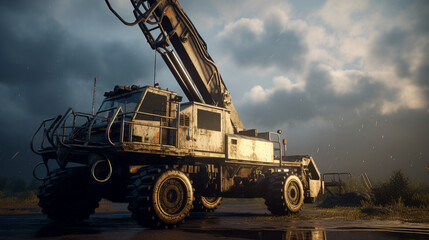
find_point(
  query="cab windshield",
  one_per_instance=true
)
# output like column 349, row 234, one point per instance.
column 128, row 103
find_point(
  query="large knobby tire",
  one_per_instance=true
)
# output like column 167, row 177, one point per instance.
column 69, row 195
column 206, row 204
column 285, row 194
column 160, row 198
column 294, row 194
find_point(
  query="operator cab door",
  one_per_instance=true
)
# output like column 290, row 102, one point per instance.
column 208, row 130
column 151, row 119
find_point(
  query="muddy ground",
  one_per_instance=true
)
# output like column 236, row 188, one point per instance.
column 235, row 219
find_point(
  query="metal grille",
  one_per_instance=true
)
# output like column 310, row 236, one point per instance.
column 184, row 120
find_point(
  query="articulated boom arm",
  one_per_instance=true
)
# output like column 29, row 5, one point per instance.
column 198, row 70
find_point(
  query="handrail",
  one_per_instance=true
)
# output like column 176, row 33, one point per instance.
column 44, row 134
column 63, row 122
column 95, row 119
column 64, row 125
column 149, row 114
column 111, row 123
column 64, row 131
column 334, row 176
column 277, row 142
column 54, row 130
column 53, row 125
column 73, row 126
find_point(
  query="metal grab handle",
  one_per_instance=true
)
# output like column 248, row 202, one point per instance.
column 94, row 119
column 53, row 126
column 63, row 125
column 43, row 124
column 111, row 123
column 69, row 110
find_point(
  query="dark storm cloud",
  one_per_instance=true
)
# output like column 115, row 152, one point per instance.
column 367, row 142
column 281, row 106
column 420, row 12
column 46, row 60
column 349, row 131
column 422, row 75
column 340, row 133
column 46, row 67
column 390, row 49
column 317, row 100
column 395, row 46
column 253, row 43
column 345, row 133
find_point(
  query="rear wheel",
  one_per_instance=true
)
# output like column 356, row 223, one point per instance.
column 206, row 204
column 285, row 194
column 69, row 194
column 160, row 198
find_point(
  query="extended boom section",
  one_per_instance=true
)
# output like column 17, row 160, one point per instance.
column 167, row 18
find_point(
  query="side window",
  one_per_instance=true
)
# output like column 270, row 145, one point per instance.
column 152, row 104
column 208, row 120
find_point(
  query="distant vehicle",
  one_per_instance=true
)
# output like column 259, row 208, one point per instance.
column 164, row 157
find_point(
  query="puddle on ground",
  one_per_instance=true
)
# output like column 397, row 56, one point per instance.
column 233, row 220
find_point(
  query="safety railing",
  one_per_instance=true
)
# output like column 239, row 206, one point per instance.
column 335, row 180
column 50, row 130
column 277, row 146
column 46, row 125
column 119, row 117
column 69, row 130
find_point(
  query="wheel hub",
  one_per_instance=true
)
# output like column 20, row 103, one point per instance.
column 292, row 193
column 172, row 196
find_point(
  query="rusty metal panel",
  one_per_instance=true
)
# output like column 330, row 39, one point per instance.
column 315, row 186
column 203, row 141
column 148, row 131
column 249, row 149
column 207, row 139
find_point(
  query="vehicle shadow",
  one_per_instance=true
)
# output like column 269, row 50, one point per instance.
column 55, row 229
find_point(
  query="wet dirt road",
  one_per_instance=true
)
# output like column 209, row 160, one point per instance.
column 235, row 219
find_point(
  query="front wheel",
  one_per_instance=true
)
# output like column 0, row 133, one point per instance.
column 294, row 194
column 69, row 195
column 160, row 198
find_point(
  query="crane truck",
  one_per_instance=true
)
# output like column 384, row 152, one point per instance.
column 163, row 157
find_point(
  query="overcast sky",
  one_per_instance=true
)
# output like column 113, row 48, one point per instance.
column 346, row 81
